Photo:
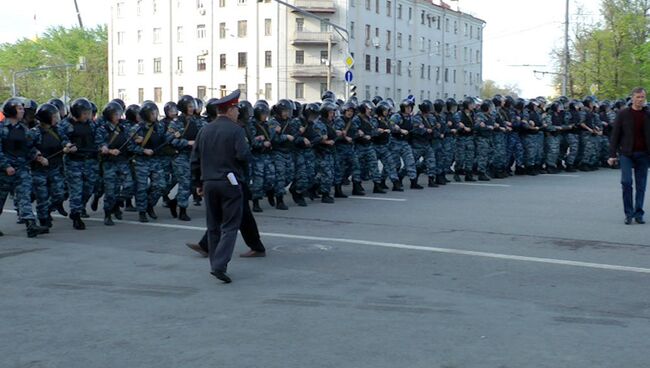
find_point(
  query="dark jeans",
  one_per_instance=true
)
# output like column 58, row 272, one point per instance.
column 637, row 163
column 223, row 205
column 248, row 227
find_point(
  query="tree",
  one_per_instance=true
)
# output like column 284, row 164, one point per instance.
column 491, row 88
column 58, row 46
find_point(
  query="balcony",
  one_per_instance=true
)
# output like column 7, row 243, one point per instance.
column 312, row 38
column 309, row 71
column 317, row 6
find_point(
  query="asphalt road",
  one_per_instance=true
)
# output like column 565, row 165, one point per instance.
column 523, row 272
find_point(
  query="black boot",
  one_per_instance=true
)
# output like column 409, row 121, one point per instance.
column 108, row 221
column 173, row 205
column 469, row 177
column 338, row 192
column 279, row 203
column 433, row 183
column 483, row 177
column 271, row 198
column 60, row 209
column 313, row 192
column 457, row 176
column 84, row 214
column 45, row 223
column 383, row 185
column 165, row 201
column 441, row 179
column 326, row 198
column 570, row 168
column 142, row 217
column 128, row 206
column 117, row 212
column 256, row 206
column 77, row 223
column 151, row 212
column 95, row 203
column 520, row 170
column 183, row 215
column 415, row 185
column 33, row 230
column 378, row 189
column 397, row 186
column 295, row 196
column 300, row 200
column 357, row 189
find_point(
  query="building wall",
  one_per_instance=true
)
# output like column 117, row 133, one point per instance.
column 202, row 35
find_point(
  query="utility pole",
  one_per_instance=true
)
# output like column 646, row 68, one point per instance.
column 76, row 6
column 329, row 61
column 565, row 74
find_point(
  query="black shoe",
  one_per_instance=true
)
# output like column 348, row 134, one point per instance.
column 45, row 223
column 77, row 223
column 84, row 214
column 173, row 205
column 128, row 207
column 383, row 185
column 165, row 201
column 469, row 177
column 441, row 179
column 433, row 182
column 628, row 221
column 338, row 192
column 326, row 198
column 222, row 276
column 415, row 185
column 346, row 181
column 95, row 203
column 357, row 189
column 34, row 230
column 183, row 215
column 117, row 212
column 483, row 177
column 639, row 220
column 313, row 193
column 571, row 169
column 377, row 189
column 142, row 217
column 198, row 249
column 151, row 212
column 397, row 186
column 520, row 170
column 256, row 206
column 59, row 208
column 279, row 203
column 197, row 202
column 300, row 200
column 271, row 198
column 2, row 234
column 108, row 221
column 457, row 177
column 295, row 196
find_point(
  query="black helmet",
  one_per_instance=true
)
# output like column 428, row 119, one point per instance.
column 532, row 104
column 149, row 112
column 112, row 108
column 184, row 104
column 131, row 113
column 9, row 107
column 382, row 109
column 46, row 113
column 79, row 106
column 212, row 110
column 364, row 107
column 519, row 104
column 31, row 105
column 284, row 105
column 310, row 111
column 403, row 105
column 245, row 110
column 94, row 109
column 348, row 106
column 170, row 108
column 555, row 107
column 326, row 108
column 198, row 104
column 261, row 108
column 391, row 103
column 376, row 100
column 587, row 102
column 604, row 106
column 328, row 95
column 339, row 102
column 497, row 100
column 425, row 107
column 451, row 104
column 354, row 100
column 297, row 109
column 467, row 102
column 59, row 105
column 485, row 106
column 438, row 105
column 120, row 102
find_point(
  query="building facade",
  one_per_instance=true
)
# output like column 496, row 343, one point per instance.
column 162, row 49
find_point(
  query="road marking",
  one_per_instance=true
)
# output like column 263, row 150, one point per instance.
column 483, row 185
column 379, row 199
column 563, row 175
column 508, row 257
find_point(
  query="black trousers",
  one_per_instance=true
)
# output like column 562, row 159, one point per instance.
column 248, row 227
column 224, row 207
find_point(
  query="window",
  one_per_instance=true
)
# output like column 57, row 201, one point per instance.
column 410, row 69
column 446, row 25
column 120, row 38
column 367, row 4
column 465, row 77
column 455, row 52
column 351, row 30
column 399, row 39
column 446, row 75
column 157, row 65
column 323, row 57
column 478, row 56
column 368, row 62
column 437, row 74
column 154, row 6
column 377, row 6
column 410, row 42
column 199, row 4
column 422, row 17
column 377, row 64
column 438, row 23
column 466, row 29
column 156, row 35
column 179, row 64
column 267, row 59
column 300, row 90
column 470, row 79
column 324, row 26
column 241, row 28
column 465, row 54
column 387, row 92
column 268, row 90
column 388, row 66
column 243, row 91
column 471, row 32
column 410, row 14
column 455, row 27
column 121, row 94
column 438, row 47
column 140, row 95
column 399, row 11
column 179, row 34
column 181, row 92
column 200, row 31
column 119, row 10
column 399, row 67
column 388, row 38
column 421, row 44
column 446, row 50
column 200, row 92
column 157, row 95
column 454, row 76
column 138, row 8
column 267, row 27
column 139, row 35
column 429, row 47
column 222, row 30
column 222, row 61
column 242, row 60
column 367, row 32
column 120, row 67
column 421, row 71
column 429, row 72
column 471, row 56
column 140, row 66
column 300, row 24
column 241, row 2
column 389, row 6
column 222, row 3
column 399, row 92
column 367, row 92
column 300, row 57
column 200, row 63
column 223, row 92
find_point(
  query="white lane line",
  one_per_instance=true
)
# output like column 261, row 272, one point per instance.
column 509, row 257
column 562, row 175
column 483, row 185
column 378, row 198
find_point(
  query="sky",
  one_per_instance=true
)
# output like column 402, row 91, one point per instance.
column 518, row 32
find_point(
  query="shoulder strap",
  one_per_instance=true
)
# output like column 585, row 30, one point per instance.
column 147, row 136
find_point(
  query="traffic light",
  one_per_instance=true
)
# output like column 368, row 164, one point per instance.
column 353, row 90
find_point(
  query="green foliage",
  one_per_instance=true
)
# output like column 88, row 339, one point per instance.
column 491, row 88
column 58, row 46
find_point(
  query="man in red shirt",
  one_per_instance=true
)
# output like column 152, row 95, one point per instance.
column 630, row 138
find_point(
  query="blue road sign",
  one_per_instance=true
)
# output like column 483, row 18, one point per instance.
column 348, row 76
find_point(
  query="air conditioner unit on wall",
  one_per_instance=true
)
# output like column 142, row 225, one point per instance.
column 375, row 42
